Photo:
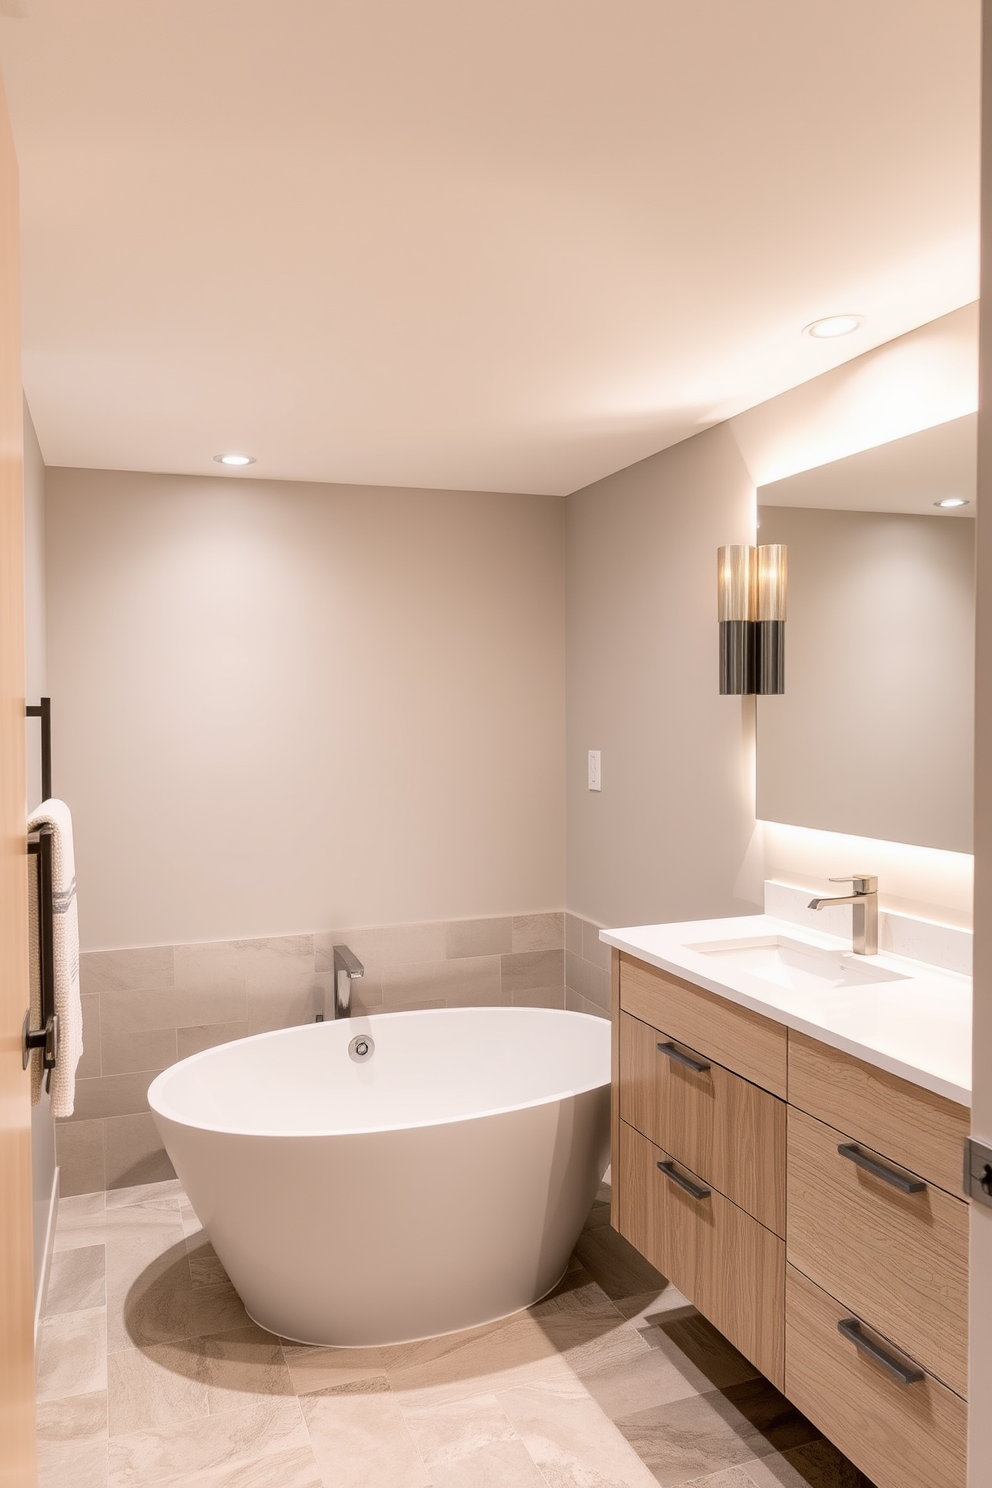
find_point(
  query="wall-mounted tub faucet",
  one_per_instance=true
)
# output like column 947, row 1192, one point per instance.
column 865, row 903
column 347, row 969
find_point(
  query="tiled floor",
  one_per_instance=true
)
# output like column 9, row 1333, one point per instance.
column 152, row 1376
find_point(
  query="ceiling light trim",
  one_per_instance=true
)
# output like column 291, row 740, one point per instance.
column 829, row 327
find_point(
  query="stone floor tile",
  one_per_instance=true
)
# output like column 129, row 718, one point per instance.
column 361, row 1440
column 573, row 1442
column 771, row 1417
column 455, row 1429
column 646, row 1309
column 77, row 1281
column 728, row 1477
column 313, row 1369
column 205, row 1268
column 72, row 1354
column 469, row 1443
column 166, row 1195
column 201, row 1451
column 160, row 1304
column 71, row 1419
column 295, row 1468
column 504, row 1464
column 245, row 1363
column 614, row 1263
column 717, row 1363
column 814, row 1465
column 83, row 1465
column 478, row 1361
column 652, row 1377
column 147, row 1391
column 194, row 1377
column 691, row 1438
column 557, row 1396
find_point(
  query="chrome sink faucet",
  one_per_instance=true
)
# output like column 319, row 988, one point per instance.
column 347, row 969
column 865, row 910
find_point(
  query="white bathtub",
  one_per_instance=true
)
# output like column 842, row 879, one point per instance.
column 439, row 1184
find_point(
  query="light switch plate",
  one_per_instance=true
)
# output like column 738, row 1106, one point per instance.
column 595, row 770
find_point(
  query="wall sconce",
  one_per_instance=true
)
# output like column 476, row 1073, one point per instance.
column 751, row 584
column 769, row 639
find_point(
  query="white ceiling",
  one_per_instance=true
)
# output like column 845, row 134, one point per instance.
column 480, row 244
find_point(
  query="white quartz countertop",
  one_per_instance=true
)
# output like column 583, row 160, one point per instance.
column 919, row 1028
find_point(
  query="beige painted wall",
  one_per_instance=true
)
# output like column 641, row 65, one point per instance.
column 283, row 707
column 666, row 837
column 673, row 833
column 36, row 668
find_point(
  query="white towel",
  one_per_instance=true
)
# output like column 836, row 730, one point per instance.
column 66, row 944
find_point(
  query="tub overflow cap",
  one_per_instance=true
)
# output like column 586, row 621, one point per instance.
column 361, row 1048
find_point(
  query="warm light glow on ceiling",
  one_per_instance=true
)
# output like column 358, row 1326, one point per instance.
column 833, row 325
column 235, row 459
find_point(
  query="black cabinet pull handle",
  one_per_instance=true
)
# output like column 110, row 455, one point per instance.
column 906, row 1374
column 695, row 1190
column 888, row 1175
column 699, row 1065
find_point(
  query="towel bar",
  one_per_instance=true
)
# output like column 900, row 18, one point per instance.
column 45, row 1037
column 43, row 710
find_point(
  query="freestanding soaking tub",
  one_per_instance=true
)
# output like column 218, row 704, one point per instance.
column 379, row 1179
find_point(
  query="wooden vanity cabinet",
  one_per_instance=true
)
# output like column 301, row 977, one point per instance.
column 900, row 1435
column 730, row 1132
column 700, row 1183
column 826, row 1237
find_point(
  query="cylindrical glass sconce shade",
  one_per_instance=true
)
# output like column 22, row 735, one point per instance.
column 772, row 572
column 736, row 595
column 736, row 579
column 769, row 640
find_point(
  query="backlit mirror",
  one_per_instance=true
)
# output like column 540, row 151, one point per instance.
column 874, row 733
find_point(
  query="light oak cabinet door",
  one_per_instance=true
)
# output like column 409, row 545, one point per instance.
column 729, row 1266
column 901, row 1435
column 912, row 1126
column 742, row 1041
column 898, row 1257
column 730, row 1132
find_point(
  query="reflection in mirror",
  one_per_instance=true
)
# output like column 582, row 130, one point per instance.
column 874, row 734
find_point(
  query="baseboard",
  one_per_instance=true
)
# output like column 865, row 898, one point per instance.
column 41, row 1292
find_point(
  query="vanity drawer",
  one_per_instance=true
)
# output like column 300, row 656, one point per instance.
column 914, row 1127
column 900, row 1258
column 901, row 1435
column 730, row 1132
column 725, row 1262
column 742, row 1041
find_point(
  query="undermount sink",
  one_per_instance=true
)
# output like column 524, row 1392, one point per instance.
column 794, row 964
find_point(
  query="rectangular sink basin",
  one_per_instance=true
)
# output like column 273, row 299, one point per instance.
column 794, row 964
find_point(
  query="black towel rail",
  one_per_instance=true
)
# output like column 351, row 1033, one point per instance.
column 46, row 1036
column 43, row 710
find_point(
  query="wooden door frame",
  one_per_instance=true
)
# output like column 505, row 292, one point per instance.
column 17, row 1373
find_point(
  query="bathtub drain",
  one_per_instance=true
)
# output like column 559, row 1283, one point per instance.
column 361, row 1048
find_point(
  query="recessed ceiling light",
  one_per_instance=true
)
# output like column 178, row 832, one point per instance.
column 833, row 325
column 235, row 459
column 952, row 501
